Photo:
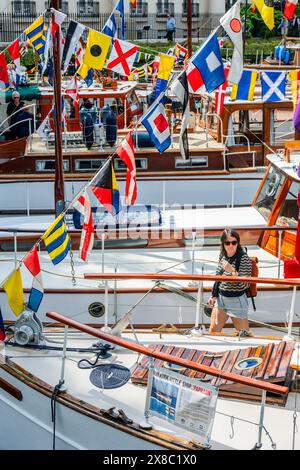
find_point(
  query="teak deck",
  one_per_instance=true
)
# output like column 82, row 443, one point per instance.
column 273, row 368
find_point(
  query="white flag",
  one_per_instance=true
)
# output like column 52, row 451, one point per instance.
column 231, row 22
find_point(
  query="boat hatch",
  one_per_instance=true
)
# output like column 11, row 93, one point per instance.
column 248, row 363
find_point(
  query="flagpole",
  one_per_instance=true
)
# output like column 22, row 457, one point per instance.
column 189, row 26
column 59, row 190
column 245, row 28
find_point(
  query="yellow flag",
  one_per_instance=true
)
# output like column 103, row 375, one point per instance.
column 266, row 9
column 166, row 63
column 14, row 291
column 294, row 77
column 95, row 53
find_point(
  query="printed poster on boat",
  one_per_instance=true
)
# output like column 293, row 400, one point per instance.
column 184, row 402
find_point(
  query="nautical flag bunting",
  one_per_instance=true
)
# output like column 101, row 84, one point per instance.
column 290, row 8
column 14, row 291
column 83, row 205
column 95, row 53
column 246, row 86
column 105, row 188
column 273, row 86
column 57, row 240
column 266, row 9
column 122, row 57
column 180, row 88
column 110, row 27
column 155, row 121
column 231, row 22
column 74, row 33
column 126, row 153
column 32, row 263
column 36, row 35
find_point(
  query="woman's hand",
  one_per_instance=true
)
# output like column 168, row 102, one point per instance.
column 211, row 301
column 228, row 267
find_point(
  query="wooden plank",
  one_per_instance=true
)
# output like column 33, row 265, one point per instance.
column 265, row 361
column 192, row 357
column 278, row 358
column 221, row 365
column 272, row 360
column 11, row 389
column 197, row 358
column 286, row 358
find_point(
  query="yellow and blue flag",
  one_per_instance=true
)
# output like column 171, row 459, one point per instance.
column 244, row 90
column 57, row 240
column 14, row 291
column 36, row 35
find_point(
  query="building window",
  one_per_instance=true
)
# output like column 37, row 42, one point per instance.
column 23, row 8
column 63, row 6
column 140, row 10
column 87, row 8
column 194, row 8
column 49, row 165
column 164, row 8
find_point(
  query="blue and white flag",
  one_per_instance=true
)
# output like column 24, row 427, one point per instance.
column 209, row 63
column 32, row 263
column 110, row 27
column 155, row 121
column 273, row 86
column 120, row 9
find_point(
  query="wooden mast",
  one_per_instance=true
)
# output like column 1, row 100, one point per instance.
column 59, row 190
column 189, row 26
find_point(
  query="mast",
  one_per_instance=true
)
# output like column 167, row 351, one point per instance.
column 245, row 28
column 189, row 26
column 59, row 190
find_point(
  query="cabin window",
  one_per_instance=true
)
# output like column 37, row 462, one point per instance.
column 281, row 126
column 49, row 165
column 140, row 164
column 288, row 215
column 269, row 192
column 194, row 162
column 88, row 165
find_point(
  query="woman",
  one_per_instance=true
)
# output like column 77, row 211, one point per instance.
column 229, row 298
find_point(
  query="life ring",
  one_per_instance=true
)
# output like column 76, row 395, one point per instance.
column 273, row 185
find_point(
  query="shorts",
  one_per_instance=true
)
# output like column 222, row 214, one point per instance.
column 234, row 306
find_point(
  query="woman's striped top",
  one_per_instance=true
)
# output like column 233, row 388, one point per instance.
column 235, row 289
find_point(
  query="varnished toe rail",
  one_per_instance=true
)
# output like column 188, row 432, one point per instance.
column 269, row 387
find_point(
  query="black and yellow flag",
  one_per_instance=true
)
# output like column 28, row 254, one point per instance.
column 95, row 53
column 266, row 9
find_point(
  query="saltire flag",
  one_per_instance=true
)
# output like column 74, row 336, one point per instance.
column 14, row 290
column 57, row 240
column 155, row 121
column 246, row 86
column 126, row 153
column 220, row 95
column 72, row 91
column 74, row 33
column 105, row 188
column 122, row 57
column 32, row 263
column 2, row 329
column 35, row 34
column 209, row 63
column 180, row 88
column 95, row 53
column 180, row 52
column 120, row 9
column 290, row 8
column 294, row 77
column 83, row 205
column 231, row 22
column 4, row 79
column 57, row 20
column 266, row 9
column 273, row 86
column 110, row 27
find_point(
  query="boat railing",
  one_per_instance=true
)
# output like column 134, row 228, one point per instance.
column 213, row 115
column 31, row 132
column 168, row 358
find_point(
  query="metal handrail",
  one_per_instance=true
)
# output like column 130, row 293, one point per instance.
column 16, row 112
column 206, row 125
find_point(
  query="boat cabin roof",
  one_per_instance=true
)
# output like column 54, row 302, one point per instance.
column 289, row 169
column 96, row 90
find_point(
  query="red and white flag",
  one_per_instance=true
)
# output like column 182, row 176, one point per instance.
column 83, row 205
column 57, row 19
column 194, row 78
column 220, row 95
column 122, row 57
column 232, row 24
column 72, row 91
column 79, row 53
column 126, row 153
column 290, row 8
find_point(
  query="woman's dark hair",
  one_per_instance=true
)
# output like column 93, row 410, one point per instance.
column 228, row 232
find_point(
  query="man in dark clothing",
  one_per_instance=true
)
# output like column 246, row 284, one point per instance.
column 294, row 27
column 13, row 110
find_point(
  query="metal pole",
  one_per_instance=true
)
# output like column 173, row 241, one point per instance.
column 245, row 28
column 59, row 190
column 102, row 250
column 106, row 305
column 232, row 193
column 164, row 196
column 115, row 297
column 279, row 251
column 15, row 249
column 189, row 26
column 145, row 424
column 258, row 445
column 199, row 304
column 27, row 198
column 63, row 388
column 289, row 337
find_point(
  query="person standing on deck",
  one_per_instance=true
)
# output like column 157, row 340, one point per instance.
column 229, row 298
column 170, row 27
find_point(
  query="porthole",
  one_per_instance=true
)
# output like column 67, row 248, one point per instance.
column 96, row 309
column 248, row 363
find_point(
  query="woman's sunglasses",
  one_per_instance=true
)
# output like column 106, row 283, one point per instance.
column 233, row 243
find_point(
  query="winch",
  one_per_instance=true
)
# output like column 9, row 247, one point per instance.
column 28, row 329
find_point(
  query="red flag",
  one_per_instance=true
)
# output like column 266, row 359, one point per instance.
column 290, row 8
column 83, row 205
column 220, row 95
column 4, row 80
column 72, row 91
column 13, row 49
column 57, row 20
column 126, row 153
